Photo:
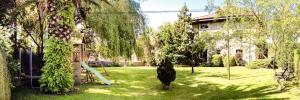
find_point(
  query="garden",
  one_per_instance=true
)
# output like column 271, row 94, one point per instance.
column 208, row 83
column 106, row 49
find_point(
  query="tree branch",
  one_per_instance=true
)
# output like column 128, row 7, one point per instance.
column 28, row 33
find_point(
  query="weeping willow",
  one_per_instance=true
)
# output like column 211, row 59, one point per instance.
column 116, row 25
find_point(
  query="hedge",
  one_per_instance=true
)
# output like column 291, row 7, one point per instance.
column 231, row 60
column 217, row 60
column 258, row 63
column 5, row 81
column 296, row 62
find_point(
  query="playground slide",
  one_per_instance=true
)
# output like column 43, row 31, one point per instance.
column 92, row 70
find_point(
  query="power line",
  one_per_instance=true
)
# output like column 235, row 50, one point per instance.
column 174, row 11
column 153, row 11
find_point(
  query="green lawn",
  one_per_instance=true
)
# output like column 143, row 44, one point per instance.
column 140, row 83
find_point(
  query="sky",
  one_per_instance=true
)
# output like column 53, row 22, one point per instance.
column 156, row 19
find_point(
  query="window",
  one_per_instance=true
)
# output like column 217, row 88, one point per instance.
column 203, row 26
column 238, row 51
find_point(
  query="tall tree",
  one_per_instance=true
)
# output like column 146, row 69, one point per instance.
column 57, row 76
column 210, row 7
column 165, row 59
column 183, row 36
column 117, row 26
column 148, row 48
column 261, row 20
column 231, row 27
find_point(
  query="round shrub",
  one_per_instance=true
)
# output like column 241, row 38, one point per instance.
column 205, row 64
column 57, row 76
column 258, row 63
column 217, row 60
column 231, row 61
column 166, row 73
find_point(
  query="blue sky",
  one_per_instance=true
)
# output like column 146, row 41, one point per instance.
column 157, row 19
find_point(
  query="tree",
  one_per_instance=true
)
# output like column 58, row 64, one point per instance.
column 227, row 29
column 148, row 48
column 210, row 7
column 277, row 20
column 232, row 27
column 117, row 26
column 165, row 71
column 57, row 76
column 186, row 48
column 182, row 36
column 208, row 40
column 262, row 20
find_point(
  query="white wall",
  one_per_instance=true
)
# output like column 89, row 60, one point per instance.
column 246, row 44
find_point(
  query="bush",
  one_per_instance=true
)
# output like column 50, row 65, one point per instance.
column 296, row 61
column 231, row 60
column 239, row 59
column 57, row 76
column 258, row 63
column 5, row 80
column 204, row 64
column 166, row 72
column 217, row 60
column 7, row 52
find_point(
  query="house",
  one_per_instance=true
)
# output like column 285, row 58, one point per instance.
column 212, row 23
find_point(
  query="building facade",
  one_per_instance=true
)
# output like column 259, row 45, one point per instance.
column 212, row 24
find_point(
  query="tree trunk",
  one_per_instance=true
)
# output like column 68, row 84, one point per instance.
column 14, row 39
column 228, row 62
column 41, row 9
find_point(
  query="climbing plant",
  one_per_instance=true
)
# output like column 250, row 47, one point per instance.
column 57, row 76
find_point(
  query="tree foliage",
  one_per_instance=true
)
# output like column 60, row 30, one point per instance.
column 57, row 74
column 166, row 72
column 116, row 26
column 166, row 43
column 148, row 46
column 183, row 36
column 165, row 57
column 6, row 48
column 277, row 20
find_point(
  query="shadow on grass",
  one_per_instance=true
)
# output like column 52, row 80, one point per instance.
column 235, row 92
column 143, row 85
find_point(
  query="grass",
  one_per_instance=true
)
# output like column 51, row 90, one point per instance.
column 209, row 83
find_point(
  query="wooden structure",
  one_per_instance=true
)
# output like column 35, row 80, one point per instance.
column 283, row 76
column 80, row 55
